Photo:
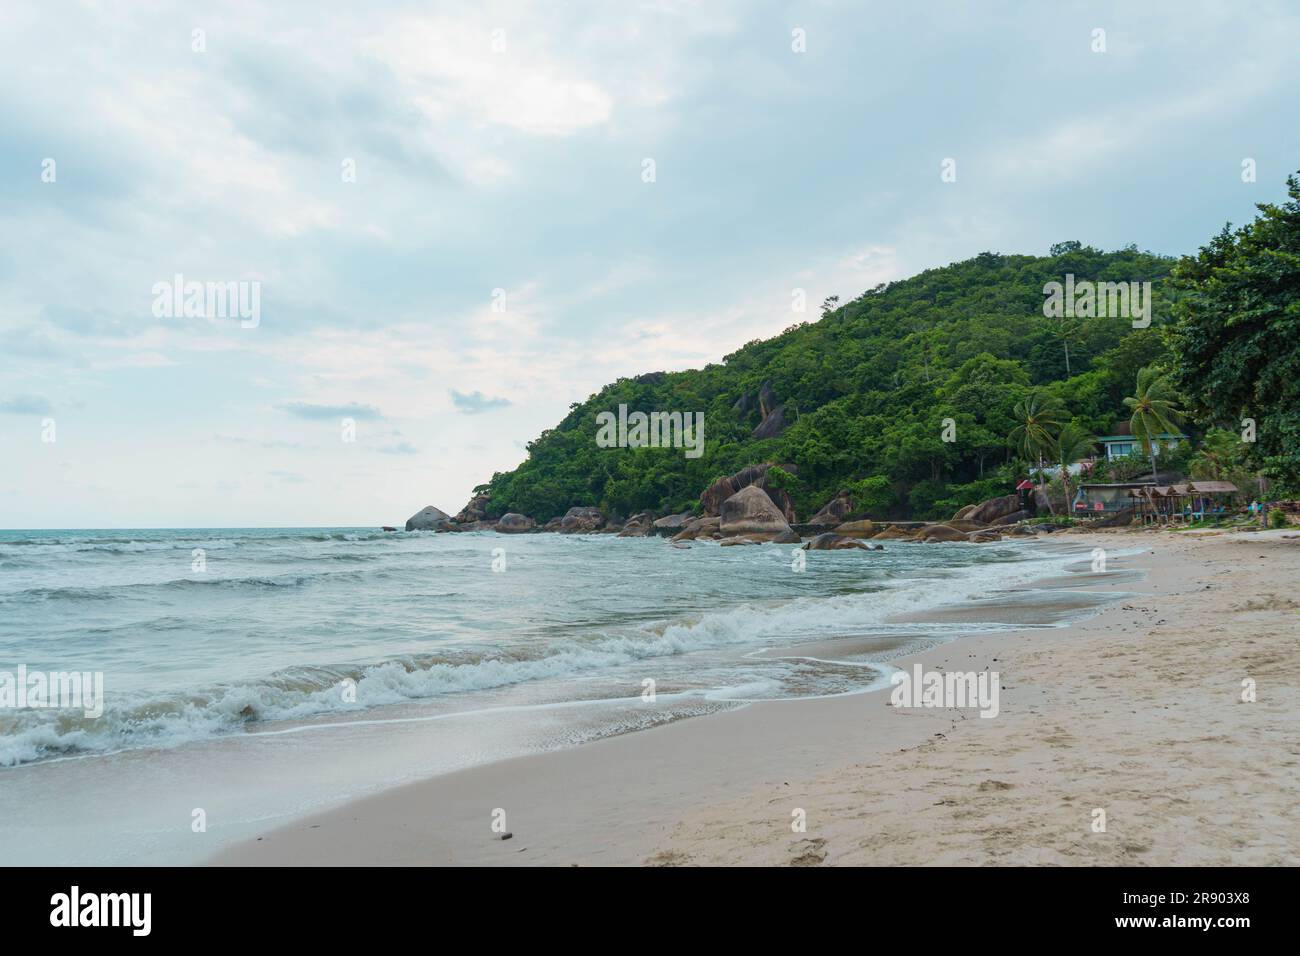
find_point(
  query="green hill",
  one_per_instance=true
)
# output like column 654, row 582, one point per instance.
column 863, row 394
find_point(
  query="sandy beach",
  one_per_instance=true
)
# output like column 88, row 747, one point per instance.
column 1136, row 711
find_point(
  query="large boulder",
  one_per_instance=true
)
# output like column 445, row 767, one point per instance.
column 697, row 528
column 1013, row 518
column 514, row 523
column 675, row 522
column 637, row 526
column 961, row 524
column 581, row 520
column 857, row 529
column 712, row 497
column 787, row 537
column 964, row 512
column 893, row 534
column 830, row 541
column 940, row 532
column 833, row 512
column 982, row 537
column 988, row 512
column 427, row 518
column 751, row 512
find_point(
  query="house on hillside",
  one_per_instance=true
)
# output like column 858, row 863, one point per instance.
column 1122, row 443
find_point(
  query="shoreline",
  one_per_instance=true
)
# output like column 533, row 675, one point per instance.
column 658, row 795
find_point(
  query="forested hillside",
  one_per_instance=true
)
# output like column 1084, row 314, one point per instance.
column 861, row 395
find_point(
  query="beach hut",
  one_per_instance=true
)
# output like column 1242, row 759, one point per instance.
column 1210, row 498
column 1106, row 499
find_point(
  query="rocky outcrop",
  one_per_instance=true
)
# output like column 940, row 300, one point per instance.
column 830, row 541
column 833, row 512
column 857, row 529
column 580, row 520
column 940, row 532
column 962, row 524
column 772, row 424
column 712, row 497
column 964, row 512
column 787, row 537
column 740, row 539
column 427, row 518
column 982, row 537
column 772, row 417
column 476, row 510
column 514, row 523
column 751, row 512
column 988, row 512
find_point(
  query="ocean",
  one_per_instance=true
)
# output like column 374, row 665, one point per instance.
column 260, row 673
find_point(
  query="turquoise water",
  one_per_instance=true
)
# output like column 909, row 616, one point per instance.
column 202, row 634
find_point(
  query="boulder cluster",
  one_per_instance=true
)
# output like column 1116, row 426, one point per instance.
column 744, row 509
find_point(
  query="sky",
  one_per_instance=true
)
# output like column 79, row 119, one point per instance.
column 461, row 218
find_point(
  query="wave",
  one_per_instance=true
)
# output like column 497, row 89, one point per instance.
column 144, row 590
column 176, row 717
column 174, row 542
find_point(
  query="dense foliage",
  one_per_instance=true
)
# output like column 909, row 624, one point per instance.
column 1237, row 336
column 866, row 390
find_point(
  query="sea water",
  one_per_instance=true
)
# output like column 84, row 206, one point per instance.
column 257, row 673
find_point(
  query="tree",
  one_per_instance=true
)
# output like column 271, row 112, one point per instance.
column 1072, row 444
column 1222, row 456
column 1038, row 418
column 1236, row 335
column 1067, row 330
column 1155, row 411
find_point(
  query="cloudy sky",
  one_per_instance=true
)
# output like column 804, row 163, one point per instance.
column 446, row 209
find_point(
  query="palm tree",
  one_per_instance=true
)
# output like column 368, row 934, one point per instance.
column 1073, row 443
column 1066, row 330
column 1155, row 411
column 1038, row 417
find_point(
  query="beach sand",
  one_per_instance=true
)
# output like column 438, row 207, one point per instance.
column 1136, row 710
